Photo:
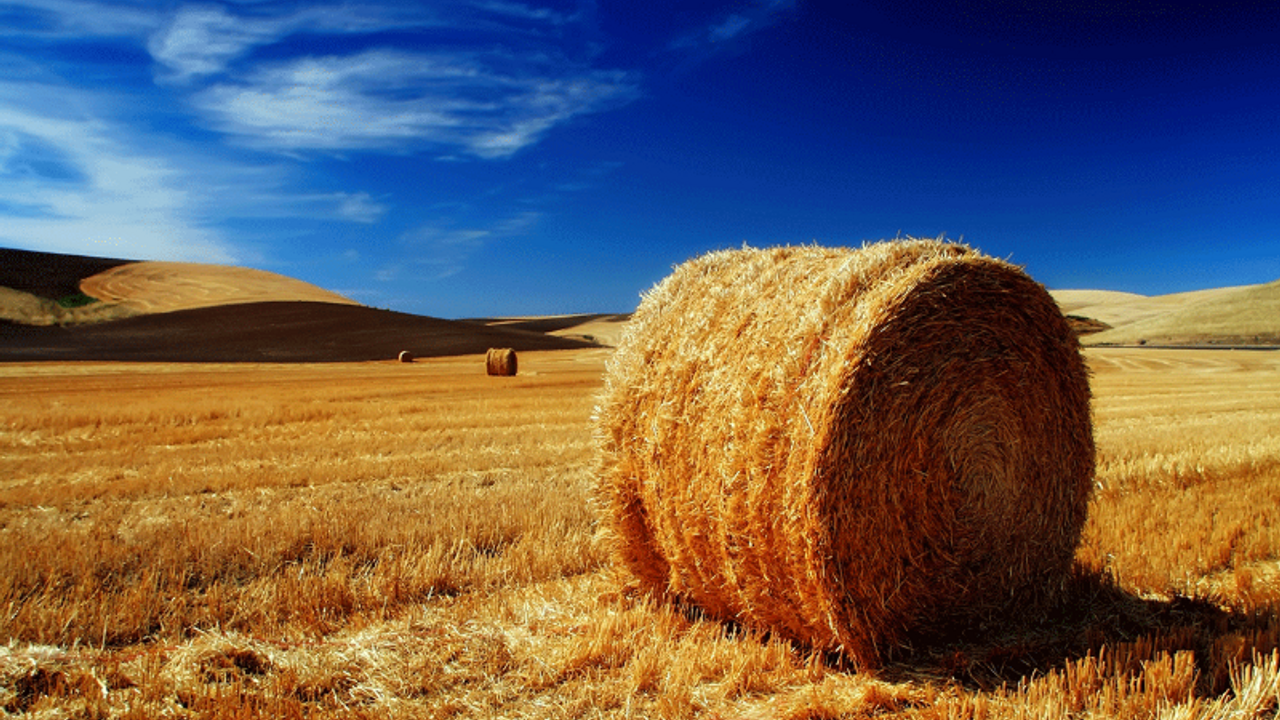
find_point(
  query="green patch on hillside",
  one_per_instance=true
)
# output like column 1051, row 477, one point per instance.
column 78, row 300
column 25, row 308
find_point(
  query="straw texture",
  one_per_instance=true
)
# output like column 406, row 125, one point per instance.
column 500, row 361
column 847, row 447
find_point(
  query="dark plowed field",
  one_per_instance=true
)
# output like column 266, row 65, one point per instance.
column 49, row 275
column 268, row 332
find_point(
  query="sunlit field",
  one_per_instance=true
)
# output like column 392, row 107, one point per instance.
column 390, row 540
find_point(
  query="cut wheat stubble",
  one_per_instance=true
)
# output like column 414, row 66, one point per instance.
column 847, row 447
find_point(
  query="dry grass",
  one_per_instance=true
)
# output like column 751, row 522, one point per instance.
column 384, row 540
column 27, row 309
column 848, row 447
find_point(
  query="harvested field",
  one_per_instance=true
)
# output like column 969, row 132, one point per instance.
column 388, row 540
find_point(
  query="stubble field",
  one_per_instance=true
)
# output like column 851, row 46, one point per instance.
column 416, row 540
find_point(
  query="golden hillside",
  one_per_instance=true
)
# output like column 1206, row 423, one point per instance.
column 1240, row 315
column 41, row 289
column 59, row 307
column 154, row 287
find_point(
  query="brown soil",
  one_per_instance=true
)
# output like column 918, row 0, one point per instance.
column 1086, row 326
column 48, row 275
column 268, row 332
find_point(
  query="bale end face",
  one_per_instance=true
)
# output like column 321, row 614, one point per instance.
column 501, row 362
column 405, row 356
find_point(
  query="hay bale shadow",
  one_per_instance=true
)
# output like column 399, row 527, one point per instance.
column 1095, row 616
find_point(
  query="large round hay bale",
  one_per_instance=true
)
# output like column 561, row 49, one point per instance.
column 851, row 448
column 500, row 361
column 405, row 356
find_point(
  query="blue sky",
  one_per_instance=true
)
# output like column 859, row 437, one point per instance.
column 462, row 158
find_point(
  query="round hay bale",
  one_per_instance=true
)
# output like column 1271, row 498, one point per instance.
column 500, row 361
column 850, row 448
column 405, row 356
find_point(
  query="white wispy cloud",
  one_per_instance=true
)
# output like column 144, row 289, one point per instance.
column 77, row 184
column 78, row 176
column 262, row 192
column 738, row 23
column 202, row 40
column 471, row 99
column 80, row 18
column 525, row 12
column 730, row 27
column 393, row 100
column 441, row 248
column 507, row 77
column 83, row 170
column 357, row 207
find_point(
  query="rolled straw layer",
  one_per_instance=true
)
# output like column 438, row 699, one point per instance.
column 847, row 447
column 500, row 361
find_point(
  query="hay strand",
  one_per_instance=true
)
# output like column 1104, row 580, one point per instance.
column 405, row 356
column 847, row 447
column 501, row 361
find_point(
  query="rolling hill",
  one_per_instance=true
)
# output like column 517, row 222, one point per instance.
column 49, row 275
column 68, row 307
column 58, row 307
column 297, row 331
column 602, row 328
column 1246, row 315
column 157, row 287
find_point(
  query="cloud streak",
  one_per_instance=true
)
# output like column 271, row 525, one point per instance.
column 225, row 113
column 400, row 100
column 470, row 99
column 485, row 104
column 741, row 23
column 442, row 248
column 204, row 40
column 77, row 176
column 79, row 18
column 500, row 76
column 78, row 185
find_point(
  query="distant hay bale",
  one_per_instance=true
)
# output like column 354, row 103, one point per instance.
column 406, row 356
column 850, row 448
column 500, row 361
